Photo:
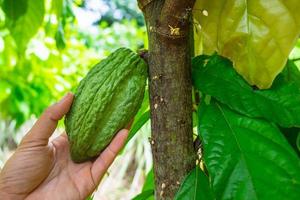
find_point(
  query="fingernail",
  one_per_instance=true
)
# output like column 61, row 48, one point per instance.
column 65, row 97
column 124, row 132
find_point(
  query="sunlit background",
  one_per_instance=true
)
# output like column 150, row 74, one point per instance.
column 46, row 51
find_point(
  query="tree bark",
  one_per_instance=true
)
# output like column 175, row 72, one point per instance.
column 168, row 25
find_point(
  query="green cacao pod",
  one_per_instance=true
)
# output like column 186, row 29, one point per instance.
column 105, row 102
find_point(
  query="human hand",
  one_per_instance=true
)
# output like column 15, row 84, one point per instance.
column 40, row 169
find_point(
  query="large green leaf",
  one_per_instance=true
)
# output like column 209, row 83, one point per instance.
column 141, row 117
column 298, row 142
column 281, row 103
column 60, row 38
column 149, row 182
column 14, row 9
column 25, row 26
column 146, row 195
column 257, row 35
column 64, row 14
column 57, row 8
column 195, row 187
column 138, row 124
column 291, row 135
column 247, row 158
column 291, row 72
column 148, row 188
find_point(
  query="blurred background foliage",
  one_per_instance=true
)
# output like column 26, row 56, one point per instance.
column 47, row 46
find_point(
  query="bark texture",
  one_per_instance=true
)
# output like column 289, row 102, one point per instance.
column 168, row 26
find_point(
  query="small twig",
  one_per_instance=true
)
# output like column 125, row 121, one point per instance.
column 143, row 3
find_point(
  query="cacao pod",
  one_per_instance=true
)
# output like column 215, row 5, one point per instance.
column 105, row 102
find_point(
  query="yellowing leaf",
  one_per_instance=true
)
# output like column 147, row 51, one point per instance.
column 257, row 35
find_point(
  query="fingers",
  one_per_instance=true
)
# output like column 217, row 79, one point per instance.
column 106, row 158
column 46, row 124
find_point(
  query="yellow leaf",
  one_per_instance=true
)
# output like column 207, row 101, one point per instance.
column 257, row 35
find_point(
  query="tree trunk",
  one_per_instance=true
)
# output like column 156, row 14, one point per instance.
column 168, row 26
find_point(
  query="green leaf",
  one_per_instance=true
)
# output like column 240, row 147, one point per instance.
column 145, row 103
column 148, row 188
column 216, row 77
column 5, row 90
column 138, row 124
column 141, row 117
column 195, row 187
column 298, row 142
column 144, row 195
column 26, row 26
column 14, row 9
column 257, row 35
column 60, row 38
column 247, row 158
column 67, row 13
column 57, row 8
column 291, row 134
column 90, row 197
column 292, row 73
column 149, row 182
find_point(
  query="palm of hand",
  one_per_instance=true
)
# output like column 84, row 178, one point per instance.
column 65, row 177
column 38, row 170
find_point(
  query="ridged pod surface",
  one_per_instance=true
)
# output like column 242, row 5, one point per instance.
column 105, row 102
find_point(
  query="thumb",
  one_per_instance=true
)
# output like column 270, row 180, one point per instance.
column 46, row 124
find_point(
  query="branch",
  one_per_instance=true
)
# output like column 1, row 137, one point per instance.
column 169, row 59
column 143, row 3
column 173, row 19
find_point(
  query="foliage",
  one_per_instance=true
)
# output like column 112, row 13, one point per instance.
column 291, row 72
column 282, row 99
column 250, row 135
column 26, row 15
column 90, row 197
column 146, row 195
column 121, row 10
column 292, row 135
column 246, row 151
column 298, row 141
column 141, row 117
column 47, row 58
column 195, row 186
column 237, row 145
column 237, row 150
column 125, row 33
column 148, row 188
column 257, row 35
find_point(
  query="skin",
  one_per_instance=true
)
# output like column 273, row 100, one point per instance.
column 40, row 169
